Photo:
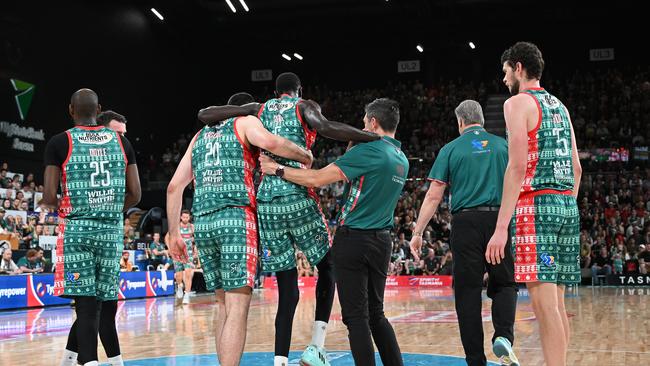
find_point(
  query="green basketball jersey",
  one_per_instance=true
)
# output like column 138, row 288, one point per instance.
column 280, row 116
column 188, row 236
column 550, row 164
column 223, row 169
column 93, row 178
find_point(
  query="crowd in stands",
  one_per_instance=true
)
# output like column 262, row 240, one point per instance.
column 609, row 109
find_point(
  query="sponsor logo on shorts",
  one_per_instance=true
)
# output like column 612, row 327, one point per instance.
column 547, row 260
column 267, row 253
column 73, row 277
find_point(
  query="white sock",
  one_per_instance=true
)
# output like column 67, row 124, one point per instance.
column 91, row 363
column 318, row 333
column 116, row 361
column 280, row 361
column 69, row 358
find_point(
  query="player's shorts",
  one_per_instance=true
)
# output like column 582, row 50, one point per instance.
column 227, row 243
column 289, row 221
column 180, row 267
column 546, row 238
column 88, row 258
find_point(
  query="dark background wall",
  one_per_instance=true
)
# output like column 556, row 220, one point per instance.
column 159, row 73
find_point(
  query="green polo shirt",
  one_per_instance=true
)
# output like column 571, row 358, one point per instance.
column 376, row 172
column 473, row 166
column 23, row 262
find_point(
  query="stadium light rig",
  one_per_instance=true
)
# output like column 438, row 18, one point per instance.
column 286, row 57
column 156, row 13
column 298, row 56
column 243, row 4
column 232, row 7
column 471, row 45
column 420, row 48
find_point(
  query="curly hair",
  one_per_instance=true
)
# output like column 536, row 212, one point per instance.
column 528, row 55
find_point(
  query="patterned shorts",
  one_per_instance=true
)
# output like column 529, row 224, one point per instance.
column 88, row 258
column 227, row 243
column 180, row 267
column 546, row 238
column 290, row 221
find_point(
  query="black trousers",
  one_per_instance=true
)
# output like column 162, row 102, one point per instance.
column 470, row 233
column 360, row 267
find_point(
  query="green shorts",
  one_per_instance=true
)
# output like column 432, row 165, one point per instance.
column 88, row 259
column 290, row 221
column 546, row 238
column 227, row 243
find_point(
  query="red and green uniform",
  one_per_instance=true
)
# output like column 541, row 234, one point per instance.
column 546, row 224
column 187, row 234
column 289, row 214
column 93, row 184
column 225, row 227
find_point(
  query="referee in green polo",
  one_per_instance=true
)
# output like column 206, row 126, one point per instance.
column 473, row 166
column 376, row 172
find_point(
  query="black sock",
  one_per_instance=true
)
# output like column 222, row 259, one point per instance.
column 107, row 331
column 288, row 300
column 87, row 325
column 324, row 289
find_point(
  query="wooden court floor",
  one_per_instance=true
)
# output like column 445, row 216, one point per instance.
column 611, row 326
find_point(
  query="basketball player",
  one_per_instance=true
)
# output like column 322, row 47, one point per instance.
column 99, row 180
column 113, row 120
column 540, row 187
column 185, row 271
column 290, row 215
column 107, row 330
column 221, row 159
column 376, row 173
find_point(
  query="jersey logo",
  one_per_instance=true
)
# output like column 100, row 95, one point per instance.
column 479, row 145
column 280, row 106
column 92, row 137
column 550, row 101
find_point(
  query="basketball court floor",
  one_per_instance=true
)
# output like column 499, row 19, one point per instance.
column 611, row 326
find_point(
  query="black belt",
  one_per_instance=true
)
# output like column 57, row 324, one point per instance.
column 481, row 209
column 370, row 231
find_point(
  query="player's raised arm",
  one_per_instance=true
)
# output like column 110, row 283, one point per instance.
column 311, row 114
column 214, row 114
column 258, row 136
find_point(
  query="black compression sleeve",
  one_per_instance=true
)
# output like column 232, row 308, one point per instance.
column 56, row 150
column 128, row 150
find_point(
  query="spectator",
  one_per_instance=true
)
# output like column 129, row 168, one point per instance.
column 30, row 263
column 7, row 265
column 159, row 253
column 602, row 264
column 644, row 258
column 128, row 229
column 4, row 181
column 446, row 264
column 125, row 264
column 3, row 223
column 430, row 264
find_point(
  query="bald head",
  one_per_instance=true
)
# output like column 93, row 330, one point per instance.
column 84, row 106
